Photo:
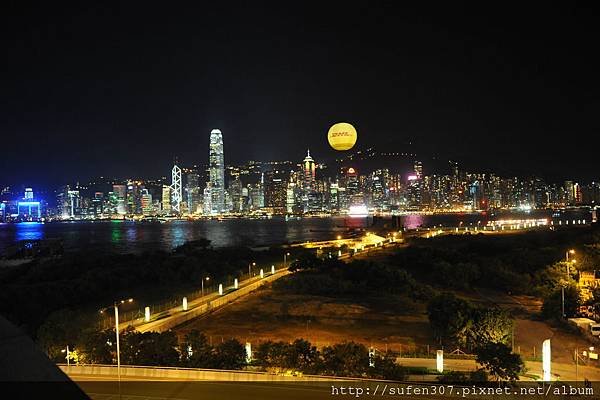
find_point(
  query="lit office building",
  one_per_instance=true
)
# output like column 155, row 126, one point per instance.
column 308, row 167
column 217, row 172
column 192, row 190
column 176, row 194
column 166, row 198
column 28, row 208
column 207, row 200
column 235, row 191
column 147, row 207
column 120, row 195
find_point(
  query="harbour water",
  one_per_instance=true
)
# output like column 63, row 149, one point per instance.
column 129, row 236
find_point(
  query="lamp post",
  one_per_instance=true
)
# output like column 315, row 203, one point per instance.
column 202, row 290
column 116, row 305
column 68, row 354
column 571, row 251
column 250, row 265
column 285, row 255
column 563, row 300
column 116, row 308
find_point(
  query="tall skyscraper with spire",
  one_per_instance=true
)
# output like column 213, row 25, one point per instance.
column 216, row 172
column 308, row 165
column 309, row 195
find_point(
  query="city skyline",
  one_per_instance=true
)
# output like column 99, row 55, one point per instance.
column 296, row 189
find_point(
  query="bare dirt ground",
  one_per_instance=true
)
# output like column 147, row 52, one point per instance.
column 266, row 315
column 400, row 325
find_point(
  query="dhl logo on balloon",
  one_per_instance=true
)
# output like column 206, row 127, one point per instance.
column 342, row 136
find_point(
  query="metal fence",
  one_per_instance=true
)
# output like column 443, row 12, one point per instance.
column 125, row 316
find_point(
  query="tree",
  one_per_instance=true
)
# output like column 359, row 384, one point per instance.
column 387, row 368
column 97, row 347
column 450, row 318
column 195, row 350
column 230, row 354
column 60, row 329
column 159, row 349
column 499, row 361
column 550, row 279
column 305, row 260
column 490, row 325
column 346, row 359
column 552, row 307
column 303, row 356
column 149, row 348
column 271, row 354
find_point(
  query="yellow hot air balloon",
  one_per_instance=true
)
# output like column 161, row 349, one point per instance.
column 342, row 136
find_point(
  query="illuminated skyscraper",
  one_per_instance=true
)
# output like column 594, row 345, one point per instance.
column 419, row 169
column 146, row 202
column 166, row 198
column 235, row 190
column 120, row 195
column 308, row 166
column 217, row 172
column 176, row 195
column 192, row 191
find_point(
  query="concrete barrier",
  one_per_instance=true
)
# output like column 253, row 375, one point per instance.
column 193, row 374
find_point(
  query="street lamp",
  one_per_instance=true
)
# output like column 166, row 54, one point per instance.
column 207, row 279
column 68, row 355
column 285, row 255
column 250, row 269
column 116, row 307
column 571, row 251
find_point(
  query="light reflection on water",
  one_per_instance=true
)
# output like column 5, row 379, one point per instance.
column 128, row 236
column 29, row 231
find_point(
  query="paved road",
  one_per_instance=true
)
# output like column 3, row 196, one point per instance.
column 175, row 312
column 562, row 371
column 184, row 390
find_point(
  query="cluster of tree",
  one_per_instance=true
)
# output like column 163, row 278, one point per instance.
column 485, row 331
column 456, row 322
column 343, row 359
column 332, row 277
column 194, row 350
column 154, row 349
column 32, row 291
column 521, row 263
column 562, row 302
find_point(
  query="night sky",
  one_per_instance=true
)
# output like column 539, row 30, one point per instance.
column 120, row 89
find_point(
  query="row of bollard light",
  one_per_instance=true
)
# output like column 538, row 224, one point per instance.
column 184, row 302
